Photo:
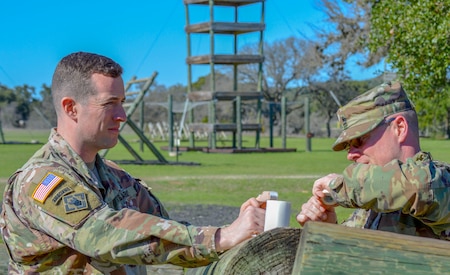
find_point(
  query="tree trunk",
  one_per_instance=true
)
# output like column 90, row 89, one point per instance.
column 448, row 123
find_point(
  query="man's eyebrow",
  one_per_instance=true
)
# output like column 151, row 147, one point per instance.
column 113, row 98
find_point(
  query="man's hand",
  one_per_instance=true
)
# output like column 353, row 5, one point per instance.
column 249, row 223
column 315, row 209
column 322, row 184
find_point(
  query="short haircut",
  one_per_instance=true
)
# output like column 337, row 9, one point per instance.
column 72, row 76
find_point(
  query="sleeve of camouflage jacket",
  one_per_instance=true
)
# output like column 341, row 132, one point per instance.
column 417, row 187
column 75, row 216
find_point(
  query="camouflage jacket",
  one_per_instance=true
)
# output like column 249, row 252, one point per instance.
column 57, row 218
column 410, row 198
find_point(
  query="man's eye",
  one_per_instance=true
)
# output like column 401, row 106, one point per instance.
column 363, row 139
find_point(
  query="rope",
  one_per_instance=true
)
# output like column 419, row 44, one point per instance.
column 7, row 75
column 156, row 38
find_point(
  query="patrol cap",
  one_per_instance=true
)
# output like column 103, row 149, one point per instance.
column 365, row 112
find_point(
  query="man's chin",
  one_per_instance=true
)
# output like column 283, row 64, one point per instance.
column 110, row 144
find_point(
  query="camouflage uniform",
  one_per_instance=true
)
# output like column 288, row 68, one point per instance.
column 410, row 198
column 59, row 217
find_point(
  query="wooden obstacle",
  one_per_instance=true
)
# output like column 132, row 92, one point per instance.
column 335, row 249
column 270, row 253
column 321, row 248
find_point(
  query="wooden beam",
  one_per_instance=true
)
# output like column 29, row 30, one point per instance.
column 224, row 27
column 225, row 59
column 223, row 2
column 336, row 249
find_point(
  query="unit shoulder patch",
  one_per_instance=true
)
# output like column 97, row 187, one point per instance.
column 65, row 198
column 75, row 202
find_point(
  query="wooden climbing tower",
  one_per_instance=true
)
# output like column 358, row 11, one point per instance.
column 233, row 28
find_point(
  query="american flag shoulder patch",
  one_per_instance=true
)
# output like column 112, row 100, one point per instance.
column 46, row 186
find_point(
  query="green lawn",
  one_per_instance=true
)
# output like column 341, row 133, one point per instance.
column 225, row 179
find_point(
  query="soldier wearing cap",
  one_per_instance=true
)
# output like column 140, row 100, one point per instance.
column 393, row 185
column 67, row 211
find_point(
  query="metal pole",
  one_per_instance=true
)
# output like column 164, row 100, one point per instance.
column 141, row 123
column 189, row 73
column 283, row 122
column 271, row 124
column 238, row 122
column 2, row 137
column 212, row 104
column 170, row 116
column 307, row 125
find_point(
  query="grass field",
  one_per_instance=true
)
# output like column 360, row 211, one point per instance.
column 224, row 179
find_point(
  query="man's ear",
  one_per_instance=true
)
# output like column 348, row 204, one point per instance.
column 69, row 107
column 401, row 128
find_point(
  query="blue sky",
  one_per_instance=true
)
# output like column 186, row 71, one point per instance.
column 143, row 36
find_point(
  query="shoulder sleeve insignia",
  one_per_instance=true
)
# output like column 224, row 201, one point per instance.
column 75, row 202
column 62, row 195
column 46, row 186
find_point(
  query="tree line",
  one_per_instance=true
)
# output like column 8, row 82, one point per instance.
column 411, row 37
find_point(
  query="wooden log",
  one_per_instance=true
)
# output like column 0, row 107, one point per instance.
column 223, row 2
column 223, row 95
column 224, row 27
column 203, row 127
column 225, row 59
column 272, row 252
column 200, row 96
column 232, row 127
column 335, row 249
column 232, row 95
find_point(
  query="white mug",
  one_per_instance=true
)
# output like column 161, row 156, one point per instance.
column 277, row 214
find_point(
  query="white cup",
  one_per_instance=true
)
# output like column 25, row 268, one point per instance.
column 277, row 214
